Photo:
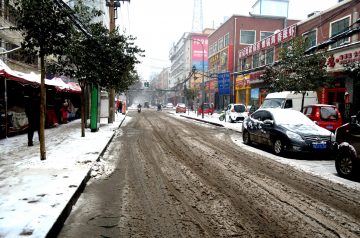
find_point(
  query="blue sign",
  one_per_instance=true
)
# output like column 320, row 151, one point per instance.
column 198, row 65
column 224, row 83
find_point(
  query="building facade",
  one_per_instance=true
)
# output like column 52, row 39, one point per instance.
column 225, row 45
column 318, row 30
column 189, row 64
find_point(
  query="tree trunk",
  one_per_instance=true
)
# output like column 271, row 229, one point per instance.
column 111, row 105
column 42, row 109
column 83, row 111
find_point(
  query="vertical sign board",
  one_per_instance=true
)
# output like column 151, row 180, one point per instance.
column 198, row 42
column 224, row 83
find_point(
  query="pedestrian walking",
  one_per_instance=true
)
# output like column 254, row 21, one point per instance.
column 32, row 111
column 119, row 106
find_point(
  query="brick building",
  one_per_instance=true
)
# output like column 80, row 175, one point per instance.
column 237, row 33
column 321, row 31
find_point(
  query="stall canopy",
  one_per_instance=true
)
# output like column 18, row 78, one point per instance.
column 34, row 79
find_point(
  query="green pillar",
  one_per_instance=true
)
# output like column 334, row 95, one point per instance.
column 94, row 108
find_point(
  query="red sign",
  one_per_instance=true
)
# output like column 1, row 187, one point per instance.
column 278, row 38
column 198, row 42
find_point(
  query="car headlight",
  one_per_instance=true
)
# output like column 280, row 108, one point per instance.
column 294, row 136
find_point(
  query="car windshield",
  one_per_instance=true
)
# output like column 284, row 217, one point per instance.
column 181, row 105
column 291, row 117
column 328, row 114
column 206, row 106
column 273, row 103
column 239, row 108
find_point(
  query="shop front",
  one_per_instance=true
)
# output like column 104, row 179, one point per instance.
column 345, row 90
column 242, row 88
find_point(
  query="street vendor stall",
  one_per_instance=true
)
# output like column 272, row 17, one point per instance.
column 15, row 88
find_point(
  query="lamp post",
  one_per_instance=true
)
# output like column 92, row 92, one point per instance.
column 202, row 78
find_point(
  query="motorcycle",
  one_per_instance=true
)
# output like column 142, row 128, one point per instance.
column 139, row 109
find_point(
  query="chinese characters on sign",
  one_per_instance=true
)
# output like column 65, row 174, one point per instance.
column 224, row 83
column 280, row 37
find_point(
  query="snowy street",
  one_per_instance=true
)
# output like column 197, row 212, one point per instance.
column 174, row 177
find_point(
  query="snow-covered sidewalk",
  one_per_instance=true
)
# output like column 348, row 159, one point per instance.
column 37, row 195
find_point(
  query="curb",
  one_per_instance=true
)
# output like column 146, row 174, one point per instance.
column 201, row 120
column 59, row 223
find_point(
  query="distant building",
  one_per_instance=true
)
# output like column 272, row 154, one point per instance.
column 188, row 54
column 225, row 46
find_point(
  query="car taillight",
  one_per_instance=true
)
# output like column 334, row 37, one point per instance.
column 317, row 113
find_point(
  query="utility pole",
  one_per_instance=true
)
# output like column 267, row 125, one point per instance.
column 113, row 5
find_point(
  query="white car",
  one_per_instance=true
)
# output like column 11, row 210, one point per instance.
column 169, row 105
column 235, row 112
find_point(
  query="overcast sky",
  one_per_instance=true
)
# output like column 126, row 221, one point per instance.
column 159, row 23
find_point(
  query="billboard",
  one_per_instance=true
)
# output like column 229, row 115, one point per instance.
column 199, row 49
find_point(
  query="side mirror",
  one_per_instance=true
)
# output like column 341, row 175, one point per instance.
column 353, row 120
column 268, row 122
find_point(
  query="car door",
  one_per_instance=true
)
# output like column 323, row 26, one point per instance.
column 266, row 129
column 254, row 126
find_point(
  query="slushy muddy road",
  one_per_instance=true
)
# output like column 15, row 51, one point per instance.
column 176, row 178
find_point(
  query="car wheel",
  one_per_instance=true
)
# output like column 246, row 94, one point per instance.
column 345, row 164
column 221, row 118
column 278, row 147
column 246, row 137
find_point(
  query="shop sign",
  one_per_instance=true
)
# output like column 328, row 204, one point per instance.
column 242, row 80
column 256, row 75
column 339, row 59
column 224, row 83
column 275, row 39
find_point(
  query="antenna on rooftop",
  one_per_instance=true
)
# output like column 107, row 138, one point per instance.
column 197, row 22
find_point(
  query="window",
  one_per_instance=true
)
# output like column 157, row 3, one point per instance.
column 215, row 47
column 243, row 64
column 339, row 27
column 221, row 43
column 269, row 59
column 226, row 39
column 310, row 39
column 247, row 37
column 286, row 44
column 265, row 34
column 255, row 61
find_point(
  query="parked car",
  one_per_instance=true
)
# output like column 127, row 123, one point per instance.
column 289, row 100
column 347, row 148
column 180, row 107
column 235, row 112
column 326, row 116
column 169, row 105
column 285, row 130
column 208, row 108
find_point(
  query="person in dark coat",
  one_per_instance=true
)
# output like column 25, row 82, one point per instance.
column 32, row 110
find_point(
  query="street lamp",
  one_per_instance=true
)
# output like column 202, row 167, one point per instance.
column 202, row 78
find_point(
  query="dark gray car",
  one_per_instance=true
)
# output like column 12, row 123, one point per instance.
column 286, row 130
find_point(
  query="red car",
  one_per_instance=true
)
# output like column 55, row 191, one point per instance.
column 208, row 108
column 180, row 107
column 326, row 116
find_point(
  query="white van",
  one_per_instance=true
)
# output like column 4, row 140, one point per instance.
column 289, row 100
